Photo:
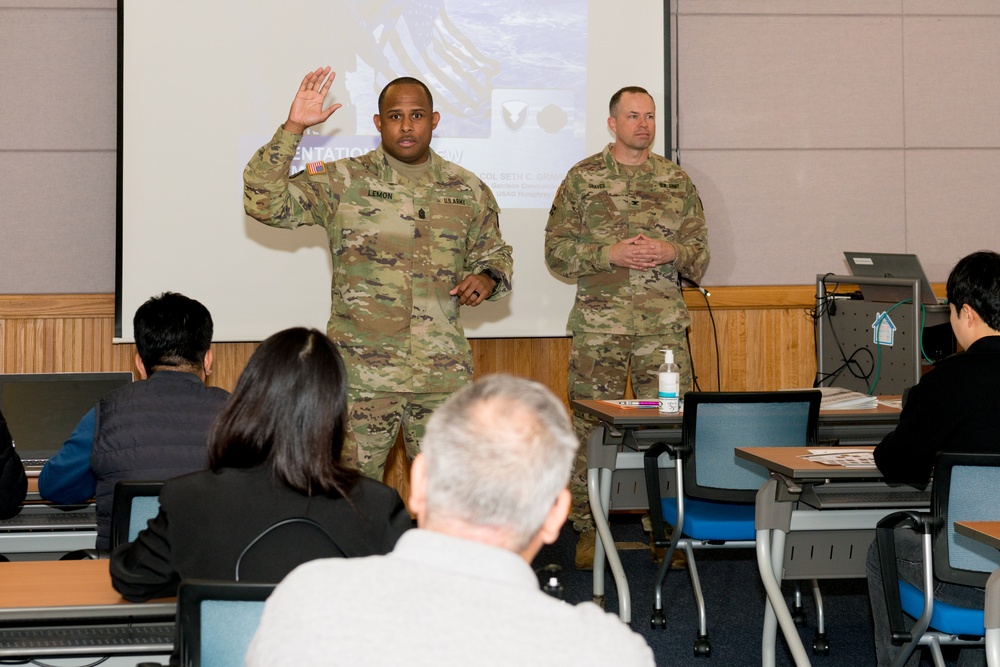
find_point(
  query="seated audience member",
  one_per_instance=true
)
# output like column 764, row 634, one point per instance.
column 13, row 481
column 274, row 455
column 149, row 430
column 489, row 489
column 954, row 408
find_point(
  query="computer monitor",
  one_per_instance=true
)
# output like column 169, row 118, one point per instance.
column 890, row 265
column 42, row 409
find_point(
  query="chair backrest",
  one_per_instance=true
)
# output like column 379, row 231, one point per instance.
column 716, row 423
column 134, row 504
column 965, row 488
column 217, row 619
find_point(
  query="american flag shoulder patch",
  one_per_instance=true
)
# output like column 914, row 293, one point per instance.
column 316, row 168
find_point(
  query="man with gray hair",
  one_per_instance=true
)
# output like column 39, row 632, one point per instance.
column 489, row 490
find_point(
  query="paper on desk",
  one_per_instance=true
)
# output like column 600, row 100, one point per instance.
column 891, row 403
column 842, row 457
column 838, row 398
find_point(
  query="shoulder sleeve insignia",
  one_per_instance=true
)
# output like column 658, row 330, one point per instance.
column 316, row 168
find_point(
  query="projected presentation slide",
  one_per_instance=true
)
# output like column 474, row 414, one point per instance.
column 522, row 87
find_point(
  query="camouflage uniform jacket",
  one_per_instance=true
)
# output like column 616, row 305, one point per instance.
column 600, row 203
column 398, row 248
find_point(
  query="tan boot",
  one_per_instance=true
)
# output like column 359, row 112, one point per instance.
column 585, row 550
column 678, row 561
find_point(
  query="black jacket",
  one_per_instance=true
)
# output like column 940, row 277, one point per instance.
column 13, row 481
column 954, row 408
column 208, row 518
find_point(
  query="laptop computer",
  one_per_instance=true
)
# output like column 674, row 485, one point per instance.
column 890, row 265
column 42, row 409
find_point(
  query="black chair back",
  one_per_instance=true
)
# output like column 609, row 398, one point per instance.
column 216, row 620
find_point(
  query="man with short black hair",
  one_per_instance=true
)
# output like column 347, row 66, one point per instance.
column 150, row 430
column 489, row 490
column 954, row 408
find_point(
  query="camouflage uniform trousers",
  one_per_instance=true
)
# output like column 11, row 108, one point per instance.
column 374, row 419
column 599, row 365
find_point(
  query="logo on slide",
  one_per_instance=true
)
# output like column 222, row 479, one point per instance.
column 515, row 113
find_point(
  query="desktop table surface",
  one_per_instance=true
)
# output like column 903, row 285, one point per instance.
column 788, row 461
column 987, row 532
column 65, row 584
column 632, row 416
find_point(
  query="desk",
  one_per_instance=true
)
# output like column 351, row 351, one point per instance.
column 45, row 531
column 988, row 532
column 73, row 595
column 834, row 542
column 614, row 464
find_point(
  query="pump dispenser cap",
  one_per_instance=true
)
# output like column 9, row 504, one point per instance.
column 668, row 356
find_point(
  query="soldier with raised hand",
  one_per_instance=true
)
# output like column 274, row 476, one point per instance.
column 413, row 237
column 626, row 224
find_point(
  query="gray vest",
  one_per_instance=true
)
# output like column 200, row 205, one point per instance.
column 154, row 429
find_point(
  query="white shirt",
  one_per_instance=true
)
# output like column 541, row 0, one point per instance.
column 435, row 600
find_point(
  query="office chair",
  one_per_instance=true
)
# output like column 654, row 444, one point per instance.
column 963, row 489
column 217, row 619
column 715, row 492
column 134, row 504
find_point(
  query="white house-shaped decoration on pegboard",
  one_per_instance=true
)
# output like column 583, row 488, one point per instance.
column 884, row 328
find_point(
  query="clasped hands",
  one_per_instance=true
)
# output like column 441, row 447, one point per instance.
column 641, row 253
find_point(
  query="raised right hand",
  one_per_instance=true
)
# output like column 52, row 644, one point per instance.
column 307, row 107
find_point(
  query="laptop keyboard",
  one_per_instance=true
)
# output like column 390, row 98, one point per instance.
column 57, row 520
column 866, row 496
column 79, row 640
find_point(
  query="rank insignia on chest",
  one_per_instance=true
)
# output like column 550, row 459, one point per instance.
column 316, row 168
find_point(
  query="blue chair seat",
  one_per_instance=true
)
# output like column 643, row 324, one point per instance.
column 712, row 520
column 945, row 618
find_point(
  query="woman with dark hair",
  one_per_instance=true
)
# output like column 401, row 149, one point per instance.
column 276, row 493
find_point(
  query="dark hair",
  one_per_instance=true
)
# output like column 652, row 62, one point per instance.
column 617, row 98
column 172, row 330
column 288, row 411
column 405, row 80
column 975, row 280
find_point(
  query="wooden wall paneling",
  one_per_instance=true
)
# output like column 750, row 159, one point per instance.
column 765, row 342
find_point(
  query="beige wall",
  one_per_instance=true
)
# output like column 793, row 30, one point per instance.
column 829, row 125
column 809, row 127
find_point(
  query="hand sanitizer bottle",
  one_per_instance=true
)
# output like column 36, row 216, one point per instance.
column 670, row 384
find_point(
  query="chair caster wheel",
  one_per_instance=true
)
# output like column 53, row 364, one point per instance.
column 702, row 649
column 659, row 620
column 799, row 616
column 820, row 645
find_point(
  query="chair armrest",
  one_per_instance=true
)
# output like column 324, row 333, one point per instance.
column 87, row 554
column 653, row 493
column 919, row 522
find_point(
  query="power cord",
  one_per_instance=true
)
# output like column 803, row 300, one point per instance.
column 715, row 335
column 828, row 307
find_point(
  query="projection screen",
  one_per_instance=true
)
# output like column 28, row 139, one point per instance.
column 522, row 87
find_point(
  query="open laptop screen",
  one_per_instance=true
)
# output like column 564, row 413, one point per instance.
column 890, row 265
column 42, row 409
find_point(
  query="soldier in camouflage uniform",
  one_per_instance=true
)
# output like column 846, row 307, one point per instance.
column 624, row 224
column 413, row 237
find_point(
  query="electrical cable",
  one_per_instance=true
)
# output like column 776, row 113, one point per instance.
column 715, row 335
column 828, row 307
